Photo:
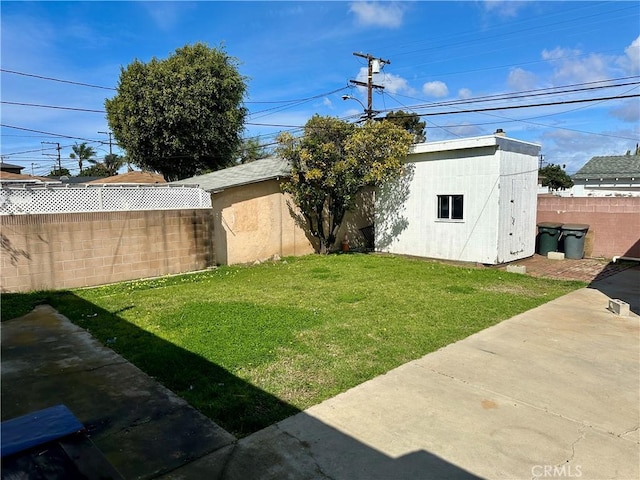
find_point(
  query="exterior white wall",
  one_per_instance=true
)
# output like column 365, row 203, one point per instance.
column 490, row 172
column 517, row 206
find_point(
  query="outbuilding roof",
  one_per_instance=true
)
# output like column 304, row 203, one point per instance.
column 258, row 171
column 614, row 166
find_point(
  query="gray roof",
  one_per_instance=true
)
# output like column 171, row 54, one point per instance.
column 10, row 166
column 258, row 171
column 615, row 166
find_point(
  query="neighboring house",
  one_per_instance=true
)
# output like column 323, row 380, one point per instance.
column 11, row 178
column 66, row 180
column 130, row 178
column 471, row 199
column 252, row 218
column 610, row 176
column 10, row 168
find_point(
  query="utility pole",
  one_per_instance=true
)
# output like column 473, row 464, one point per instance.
column 542, row 162
column 110, row 143
column 58, row 148
column 374, row 65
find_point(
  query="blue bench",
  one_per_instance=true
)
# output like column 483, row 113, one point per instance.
column 37, row 428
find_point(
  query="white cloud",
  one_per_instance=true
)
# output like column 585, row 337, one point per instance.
column 388, row 14
column 392, row 83
column 574, row 149
column 327, row 102
column 629, row 111
column 572, row 66
column 504, row 8
column 631, row 61
column 520, row 79
column 435, row 89
column 465, row 130
column 464, row 93
column 395, row 83
column 166, row 15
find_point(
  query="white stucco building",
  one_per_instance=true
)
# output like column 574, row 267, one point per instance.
column 471, row 199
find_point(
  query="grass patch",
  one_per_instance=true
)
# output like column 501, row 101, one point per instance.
column 250, row 345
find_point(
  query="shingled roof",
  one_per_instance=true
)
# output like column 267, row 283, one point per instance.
column 615, row 166
column 18, row 177
column 258, row 171
column 135, row 177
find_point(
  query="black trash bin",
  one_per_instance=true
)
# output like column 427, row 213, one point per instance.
column 574, row 235
column 548, row 235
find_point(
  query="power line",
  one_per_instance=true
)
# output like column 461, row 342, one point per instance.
column 41, row 77
column 51, row 134
column 548, row 104
column 76, row 109
column 571, row 88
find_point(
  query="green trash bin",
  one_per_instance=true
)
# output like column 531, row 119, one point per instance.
column 574, row 235
column 548, row 235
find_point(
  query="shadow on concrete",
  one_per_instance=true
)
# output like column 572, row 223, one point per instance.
column 634, row 250
column 302, row 447
column 623, row 285
column 145, row 431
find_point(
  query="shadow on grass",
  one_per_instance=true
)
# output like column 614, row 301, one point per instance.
column 229, row 401
column 143, row 433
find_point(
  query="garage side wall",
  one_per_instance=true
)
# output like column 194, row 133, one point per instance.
column 255, row 222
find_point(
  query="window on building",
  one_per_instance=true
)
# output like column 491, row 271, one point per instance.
column 450, row 207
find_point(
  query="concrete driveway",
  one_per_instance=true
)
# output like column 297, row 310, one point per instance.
column 551, row 393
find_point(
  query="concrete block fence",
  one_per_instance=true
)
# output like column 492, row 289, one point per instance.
column 614, row 222
column 67, row 250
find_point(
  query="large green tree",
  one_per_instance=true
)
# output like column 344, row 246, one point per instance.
column 181, row 115
column 411, row 123
column 82, row 152
column 554, row 177
column 334, row 160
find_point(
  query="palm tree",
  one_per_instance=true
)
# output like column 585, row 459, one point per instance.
column 82, row 152
column 113, row 163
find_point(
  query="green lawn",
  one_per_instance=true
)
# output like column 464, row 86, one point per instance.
column 250, row 345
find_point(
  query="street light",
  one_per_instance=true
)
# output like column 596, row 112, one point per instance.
column 367, row 113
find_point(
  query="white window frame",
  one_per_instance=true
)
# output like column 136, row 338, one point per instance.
column 450, row 208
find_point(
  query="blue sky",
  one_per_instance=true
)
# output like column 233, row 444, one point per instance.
column 445, row 58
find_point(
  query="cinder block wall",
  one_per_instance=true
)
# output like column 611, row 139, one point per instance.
column 614, row 222
column 54, row 251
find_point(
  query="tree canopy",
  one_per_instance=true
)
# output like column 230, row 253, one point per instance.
column 332, row 161
column 95, row 170
column 411, row 123
column 181, row 115
column 56, row 172
column 251, row 150
column 554, row 177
